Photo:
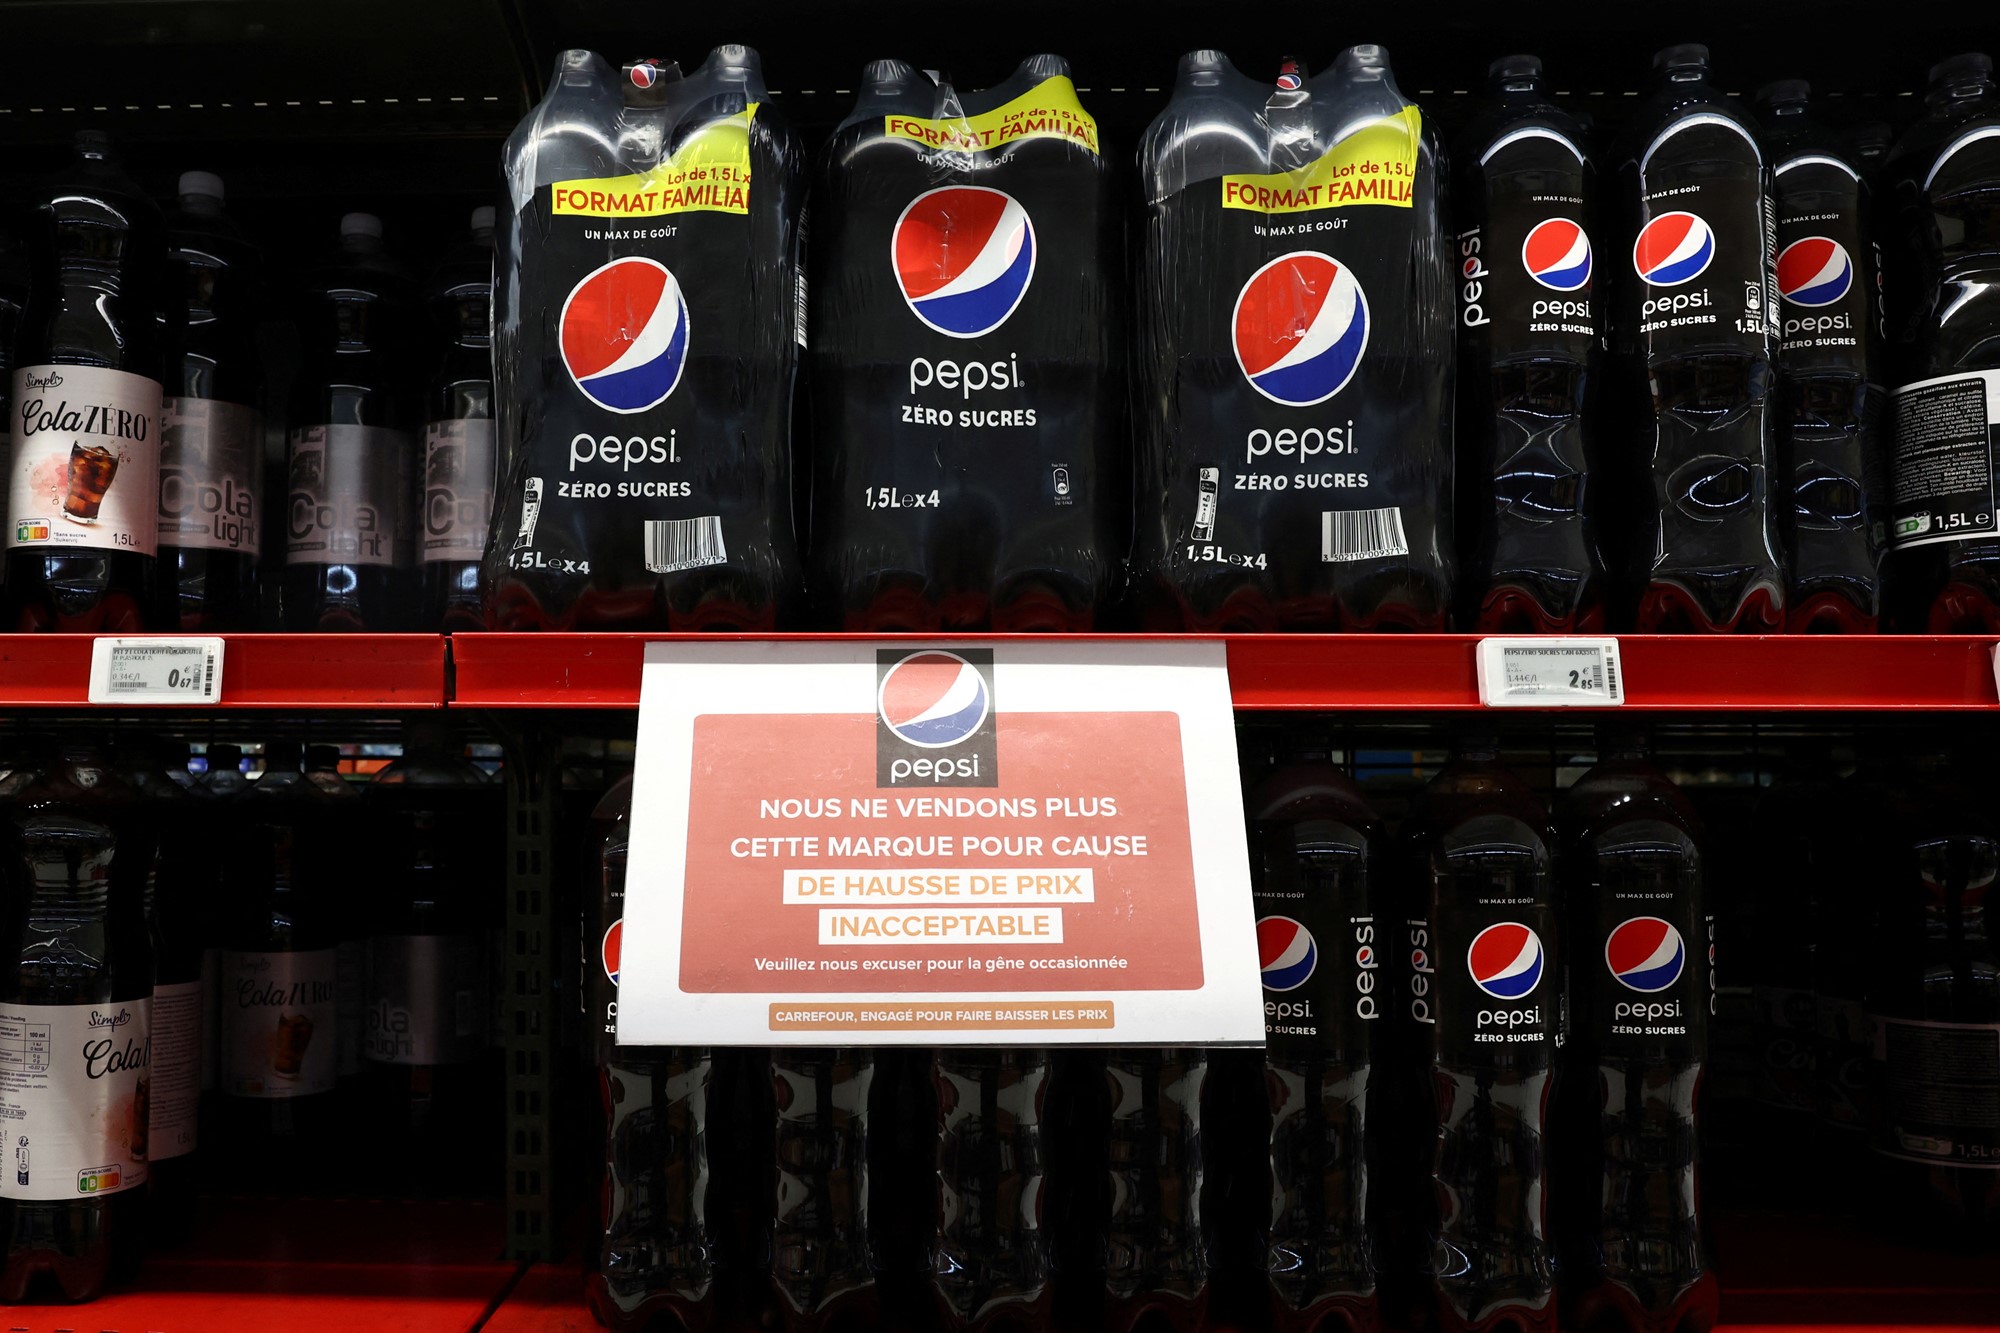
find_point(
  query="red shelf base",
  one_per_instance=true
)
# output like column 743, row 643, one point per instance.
column 297, row 671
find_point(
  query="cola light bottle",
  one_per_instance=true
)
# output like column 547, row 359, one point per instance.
column 1317, row 862
column 1830, row 358
column 349, row 556
column 460, row 451
column 1695, row 327
column 1530, row 341
column 1943, row 178
column 82, row 534
column 75, row 1009
column 656, row 1238
column 1642, row 995
column 1484, row 981
column 212, row 443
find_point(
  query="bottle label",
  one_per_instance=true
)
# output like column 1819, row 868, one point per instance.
column 176, row 1066
column 1942, row 466
column 280, row 1023
column 1941, row 1092
column 75, row 1098
column 458, row 488
column 1317, row 942
column 1499, row 990
column 1647, row 960
column 346, row 496
column 1701, row 270
column 1829, row 274
column 426, row 1000
column 211, row 1018
column 1787, row 1034
column 86, row 466
column 211, row 476
column 1528, row 279
column 1845, row 1093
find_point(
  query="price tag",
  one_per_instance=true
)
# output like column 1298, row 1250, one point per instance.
column 1550, row 673
column 156, row 671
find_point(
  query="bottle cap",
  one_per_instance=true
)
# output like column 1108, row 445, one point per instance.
column 1686, row 55
column 1966, row 67
column 204, row 183
column 361, row 224
column 483, row 217
column 1784, row 92
column 281, row 756
column 1514, row 69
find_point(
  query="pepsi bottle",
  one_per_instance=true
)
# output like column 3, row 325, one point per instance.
column 1295, row 355
column 1943, row 179
column 1694, row 319
column 82, row 530
column 1485, row 994
column 1154, row 1244
column 990, row 1255
column 966, row 327
column 1642, row 992
column 1830, row 356
column 456, row 503
column 348, row 558
column 1530, row 338
column 822, row 1250
column 647, row 323
column 212, row 444
column 1317, row 862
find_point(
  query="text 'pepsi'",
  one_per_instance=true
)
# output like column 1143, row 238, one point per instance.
column 646, row 337
column 1295, row 355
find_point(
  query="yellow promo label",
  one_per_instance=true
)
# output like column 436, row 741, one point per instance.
column 1377, row 164
column 1049, row 110
column 710, row 173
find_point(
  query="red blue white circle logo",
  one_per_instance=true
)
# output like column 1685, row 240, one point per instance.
column 1506, row 960
column 1287, row 953
column 645, row 74
column 1815, row 271
column 1557, row 255
column 1672, row 249
column 1300, row 327
column 624, row 335
column 608, row 951
column 933, row 699
column 1645, row 954
column 964, row 256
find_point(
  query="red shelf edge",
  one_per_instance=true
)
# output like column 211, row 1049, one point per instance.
column 294, row 671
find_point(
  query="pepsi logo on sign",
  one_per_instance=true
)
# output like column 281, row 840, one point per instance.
column 1506, row 960
column 1300, row 327
column 1286, row 952
column 964, row 256
column 1645, row 954
column 1672, row 249
column 608, row 951
column 1557, row 255
column 1815, row 271
column 934, row 714
column 624, row 335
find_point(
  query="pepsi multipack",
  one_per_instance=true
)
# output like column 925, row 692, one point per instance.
column 1295, row 355
column 965, row 342
column 647, row 327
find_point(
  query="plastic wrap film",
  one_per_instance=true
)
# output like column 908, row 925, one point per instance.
column 1295, row 327
column 646, row 341
column 965, row 330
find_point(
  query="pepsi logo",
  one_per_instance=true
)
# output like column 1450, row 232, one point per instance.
column 1287, row 953
column 1672, row 249
column 1506, row 960
column 1645, row 954
column 645, row 74
column 1557, row 255
column 624, row 335
column 1300, row 327
column 933, row 699
column 964, row 256
column 1815, row 271
column 609, row 950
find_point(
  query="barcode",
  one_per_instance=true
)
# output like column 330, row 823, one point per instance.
column 674, row 544
column 1361, row 534
column 1609, row 678
column 799, row 309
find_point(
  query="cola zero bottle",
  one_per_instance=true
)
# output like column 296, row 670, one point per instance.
column 212, row 444
column 83, row 487
column 1694, row 318
column 456, row 501
column 1530, row 335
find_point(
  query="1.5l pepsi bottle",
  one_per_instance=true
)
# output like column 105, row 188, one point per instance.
column 1944, row 180
column 212, row 444
column 965, row 331
column 1693, row 318
column 1830, row 353
column 82, row 516
column 647, row 326
column 1295, row 355
column 455, row 500
column 1530, row 336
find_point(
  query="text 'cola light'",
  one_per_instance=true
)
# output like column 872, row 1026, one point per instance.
column 1294, row 343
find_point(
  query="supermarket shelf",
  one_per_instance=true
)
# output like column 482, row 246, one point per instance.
column 1366, row 672
column 295, row 671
